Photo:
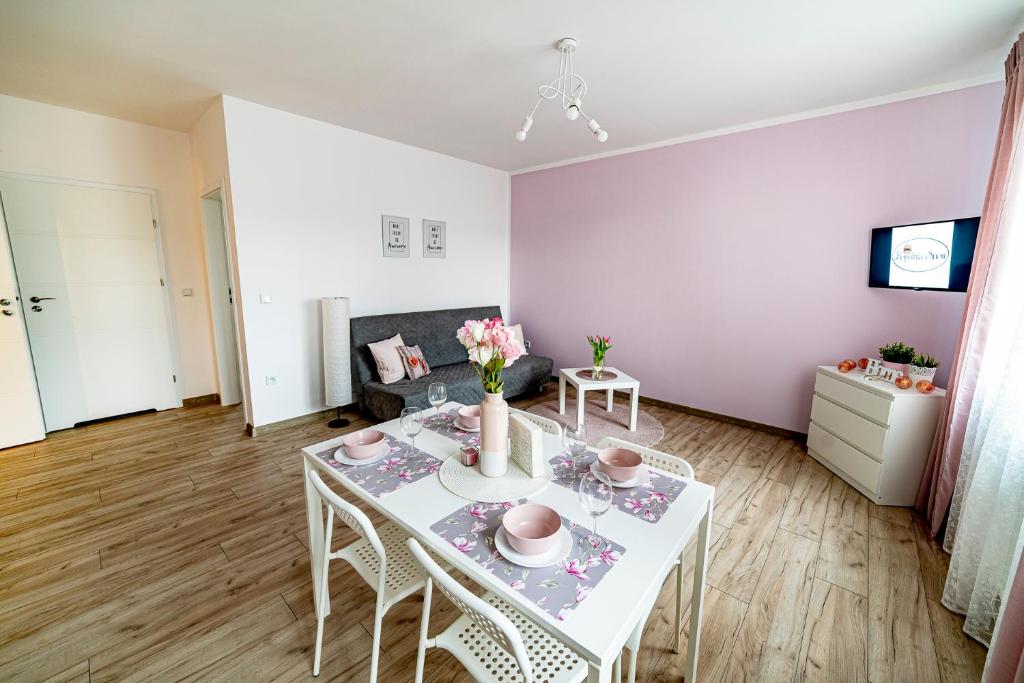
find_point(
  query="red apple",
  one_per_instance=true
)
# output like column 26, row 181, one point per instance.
column 904, row 382
column 925, row 387
column 844, row 366
column 863, row 363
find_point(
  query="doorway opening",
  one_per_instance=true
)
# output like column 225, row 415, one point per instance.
column 221, row 286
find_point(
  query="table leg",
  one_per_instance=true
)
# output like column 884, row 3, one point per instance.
column 315, row 527
column 561, row 395
column 598, row 674
column 697, row 600
column 611, row 400
column 581, row 394
column 634, row 404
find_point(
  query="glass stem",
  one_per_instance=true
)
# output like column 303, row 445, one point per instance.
column 595, row 528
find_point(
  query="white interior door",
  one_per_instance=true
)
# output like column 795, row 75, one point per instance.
column 222, row 302
column 21, row 420
column 88, row 268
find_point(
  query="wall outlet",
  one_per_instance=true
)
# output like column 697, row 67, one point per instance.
column 271, row 380
column 527, row 344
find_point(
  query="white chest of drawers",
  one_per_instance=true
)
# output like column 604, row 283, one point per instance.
column 872, row 434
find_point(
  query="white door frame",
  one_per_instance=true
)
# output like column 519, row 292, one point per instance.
column 220, row 194
column 172, row 329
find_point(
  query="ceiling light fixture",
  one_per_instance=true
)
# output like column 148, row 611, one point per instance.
column 571, row 87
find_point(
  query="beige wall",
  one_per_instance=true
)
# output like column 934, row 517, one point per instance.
column 44, row 140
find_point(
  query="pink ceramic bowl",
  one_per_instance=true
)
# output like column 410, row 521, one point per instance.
column 620, row 464
column 469, row 416
column 531, row 528
column 363, row 444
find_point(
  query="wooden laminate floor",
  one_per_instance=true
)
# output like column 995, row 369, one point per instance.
column 172, row 546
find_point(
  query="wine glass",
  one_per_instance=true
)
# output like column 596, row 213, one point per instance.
column 574, row 440
column 412, row 423
column 595, row 498
column 437, row 394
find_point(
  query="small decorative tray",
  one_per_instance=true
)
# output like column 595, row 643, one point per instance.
column 589, row 374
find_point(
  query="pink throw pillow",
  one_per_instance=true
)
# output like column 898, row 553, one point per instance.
column 415, row 364
column 389, row 362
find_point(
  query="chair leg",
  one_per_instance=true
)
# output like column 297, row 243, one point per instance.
column 321, row 605
column 375, row 655
column 617, row 673
column 679, row 604
column 421, row 649
column 633, row 655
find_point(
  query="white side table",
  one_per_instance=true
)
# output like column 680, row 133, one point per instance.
column 583, row 385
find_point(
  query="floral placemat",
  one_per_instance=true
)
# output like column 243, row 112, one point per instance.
column 649, row 501
column 443, row 424
column 557, row 589
column 400, row 467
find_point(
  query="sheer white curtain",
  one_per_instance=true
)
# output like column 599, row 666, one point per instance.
column 987, row 508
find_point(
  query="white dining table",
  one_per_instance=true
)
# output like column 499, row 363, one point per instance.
column 598, row 628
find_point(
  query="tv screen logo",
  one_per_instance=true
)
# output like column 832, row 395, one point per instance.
column 921, row 256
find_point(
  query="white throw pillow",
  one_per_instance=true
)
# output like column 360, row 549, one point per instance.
column 389, row 362
column 517, row 332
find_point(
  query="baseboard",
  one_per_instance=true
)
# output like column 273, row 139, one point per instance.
column 325, row 414
column 750, row 424
column 196, row 401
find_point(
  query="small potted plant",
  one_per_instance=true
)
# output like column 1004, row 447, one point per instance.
column 600, row 345
column 922, row 367
column 897, row 356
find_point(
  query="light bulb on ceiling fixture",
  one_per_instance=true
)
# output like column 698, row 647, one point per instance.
column 570, row 87
column 521, row 133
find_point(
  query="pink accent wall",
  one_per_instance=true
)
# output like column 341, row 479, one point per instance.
column 726, row 269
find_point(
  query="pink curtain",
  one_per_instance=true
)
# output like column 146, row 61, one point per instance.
column 940, row 475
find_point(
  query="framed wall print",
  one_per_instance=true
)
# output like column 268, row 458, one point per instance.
column 434, row 238
column 395, row 236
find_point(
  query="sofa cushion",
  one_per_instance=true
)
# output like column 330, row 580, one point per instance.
column 385, row 401
column 387, row 359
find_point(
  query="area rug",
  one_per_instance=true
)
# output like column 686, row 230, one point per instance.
column 600, row 423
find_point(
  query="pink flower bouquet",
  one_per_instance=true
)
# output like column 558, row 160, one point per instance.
column 491, row 347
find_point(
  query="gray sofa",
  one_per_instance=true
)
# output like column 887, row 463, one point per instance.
column 434, row 333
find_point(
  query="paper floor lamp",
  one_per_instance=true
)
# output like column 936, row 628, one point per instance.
column 337, row 366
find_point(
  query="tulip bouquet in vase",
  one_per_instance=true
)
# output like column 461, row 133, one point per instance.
column 491, row 347
column 600, row 345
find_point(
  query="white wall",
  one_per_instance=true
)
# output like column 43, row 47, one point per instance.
column 210, row 170
column 307, row 201
column 44, row 140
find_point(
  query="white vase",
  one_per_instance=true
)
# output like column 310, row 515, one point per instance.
column 493, row 436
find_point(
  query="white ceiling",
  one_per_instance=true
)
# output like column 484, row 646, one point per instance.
column 457, row 76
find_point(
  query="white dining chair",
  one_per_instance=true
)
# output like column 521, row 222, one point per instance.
column 491, row 639
column 380, row 557
column 672, row 464
column 548, row 425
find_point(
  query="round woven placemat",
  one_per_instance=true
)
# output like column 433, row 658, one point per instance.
column 471, row 485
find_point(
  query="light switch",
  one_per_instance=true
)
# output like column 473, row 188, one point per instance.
column 187, row 291
column 265, row 299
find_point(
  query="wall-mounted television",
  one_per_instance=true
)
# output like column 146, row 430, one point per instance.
column 933, row 256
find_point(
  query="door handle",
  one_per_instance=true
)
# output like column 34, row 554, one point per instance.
column 5, row 302
column 37, row 299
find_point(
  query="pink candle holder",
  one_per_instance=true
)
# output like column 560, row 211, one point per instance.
column 468, row 455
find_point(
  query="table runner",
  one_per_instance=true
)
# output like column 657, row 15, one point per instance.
column 557, row 589
column 443, row 425
column 401, row 467
column 648, row 502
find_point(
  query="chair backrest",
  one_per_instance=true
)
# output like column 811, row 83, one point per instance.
column 663, row 461
column 496, row 625
column 348, row 513
column 548, row 425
